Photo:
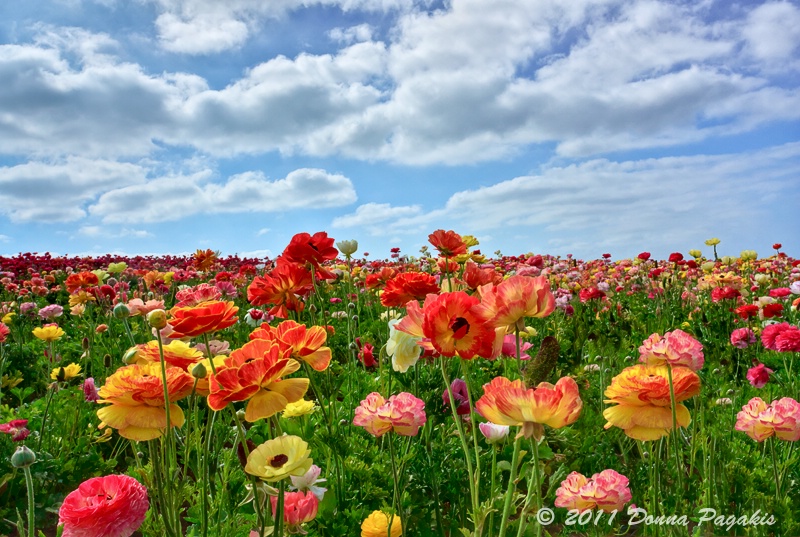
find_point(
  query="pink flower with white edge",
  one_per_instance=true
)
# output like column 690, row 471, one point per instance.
column 407, row 414
column 607, row 491
column 759, row 421
column 494, row 433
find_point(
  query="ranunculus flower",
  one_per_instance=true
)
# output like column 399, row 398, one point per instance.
column 48, row 333
column 279, row 458
column 506, row 402
column 403, row 413
column 308, row 482
column 492, row 432
column 783, row 337
column 408, row 286
column 741, row 338
column 90, row 394
column 510, row 347
column 377, row 525
column 176, row 354
column 607, row 491
column 109, row 506
column 676, row 348
column 307, row 343
column 448, row 243
column 459, row 389
column 759, row 421
column 70, row 372
column 283, row 287
column 18, row 429
column 759, row 375
column 201, row 319
column 402, row 347
column 509, row 302
column 298, row 508
column 455, row 327
column 4, row 332
column 641, row 393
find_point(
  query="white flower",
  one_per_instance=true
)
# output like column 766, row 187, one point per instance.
column 308, row 481
column 402, row 348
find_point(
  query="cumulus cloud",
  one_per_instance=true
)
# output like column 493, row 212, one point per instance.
column 106, row 232
column 58, row 192
column 175, row 197
column 374, row 217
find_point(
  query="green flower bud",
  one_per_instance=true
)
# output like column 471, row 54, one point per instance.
column 23, row 457
column 121, row 311
column 199, row 371
column 130, row 356
column 347, row 248
column 157, row 319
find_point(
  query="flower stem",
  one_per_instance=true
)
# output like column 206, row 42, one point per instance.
column 775, row 467
column 536, row 490
column 397, row 494
column 31, row 503
column 675, row 437
column 279, row 509
column 512, row 486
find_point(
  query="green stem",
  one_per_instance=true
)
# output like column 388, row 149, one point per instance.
column 512, row 486
column 31, row 503
column 492, row 490
column 397, row 494
column 675, row 437
column 775, row 467
column 536, row 490
column 279, row 509
column 44, row 417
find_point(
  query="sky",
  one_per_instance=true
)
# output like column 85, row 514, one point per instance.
column 547, row 126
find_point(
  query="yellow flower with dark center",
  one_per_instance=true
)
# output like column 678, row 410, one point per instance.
column 279, row 458
column 71, row 371
column 48, row 332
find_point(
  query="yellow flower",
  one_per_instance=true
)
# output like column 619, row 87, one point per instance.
column 299, row 408
column 8, row 317
column 377, row 525
column 9, row 383
column 697, row 254
column 48, row 332
column 116, row 268
column 712, row 242
column 78, row 310
column 279, row 458
column 81, row 297
column 70, row 371
column 748, row 255
column 101, row 274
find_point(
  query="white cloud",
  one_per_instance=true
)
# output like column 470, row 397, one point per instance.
column 175, row 197
column 262, row 231
column 255, row 253
column 773, row 32
column 5, row 238
column 58, row 192
column 106, row 232
column 375, row 217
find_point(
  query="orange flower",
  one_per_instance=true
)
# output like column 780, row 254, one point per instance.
column 448, row 243
column 206, row 317
column 379, row 279
column 408, row 286
column 454, row 327
column 283, row 287
column 136, row 394
column 81, row 280
column 255, row 373
column 641, row 393
column 306, row 343
column 176, row 354
column 506, row 402
column 474, row 276
column 507, row 304
column 204, row 260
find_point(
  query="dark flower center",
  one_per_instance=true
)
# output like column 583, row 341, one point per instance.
column 460, row 327
column 279, row 460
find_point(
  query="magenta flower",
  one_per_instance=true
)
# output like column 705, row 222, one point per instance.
column 759, row 375
column 18, row 429
column 510, row 347
column 741, row 338
column 90, row 391
column 782, row 337
column 459, row 389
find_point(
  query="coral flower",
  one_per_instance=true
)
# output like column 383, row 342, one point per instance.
column 448, row 243
column 455, row 328
column 508, row 303
column 279, row 458
column 408, row 286
column 201, row 319
column 307, row 344
column 176, row 354
column 81, row 280
column 136, row 394
column 475, row 276
column 403, row 413
column 203, row 260
column 255, row 373
column 109, row 506
column 4, row 332
column 676, row 348
column 298, row 508
column 641, row 393
column 378, row 523
column 759, row 421
column 506, row 402
column 607, row 491
column 283, row 287
column 48, row 332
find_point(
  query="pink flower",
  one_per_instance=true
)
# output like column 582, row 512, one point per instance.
column 607, row 491
column 771, row 333
column 510, row 347
column 459, row 389
column 676, row 348
column 741, row 338
column 90, row 394
column 4, row 332
column 138, row 307
column 110, row 506
column 298, row 507
column 788, row 341
column 759, row 421
column 759, row 375
column 494, row 433
column 18, row 429
column 308, row 482
column 403, row 413
column 780, row 292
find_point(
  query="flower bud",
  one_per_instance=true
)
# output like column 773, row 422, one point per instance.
column 351, row 306
column 240, row 414
column 312, row 308
column 130, row 356
column 85, row 343
column 199, row 371
column 348, row 247
column 157, row 319
column 23, row 457
column 121, row 311
column 107, row 360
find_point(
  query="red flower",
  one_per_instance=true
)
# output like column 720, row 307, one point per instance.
column 475, row 276
column 283, row 287
column 675, row 257
column 644, row 256
column 313, row 250
column 591, row 293
column 747, row 311
column 724, row 293
column 408, row 286
column 18, row 429
column 777, row 246
column 456, row 328
column 81, row 280
column 110, row 506
column 366, row 353
column 4, row 331
column 772, row 310
column 448, row 243
column 207, row 317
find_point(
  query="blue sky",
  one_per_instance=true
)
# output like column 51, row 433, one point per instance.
column 583, row 127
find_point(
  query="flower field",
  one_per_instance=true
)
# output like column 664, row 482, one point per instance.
column 444, row 393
